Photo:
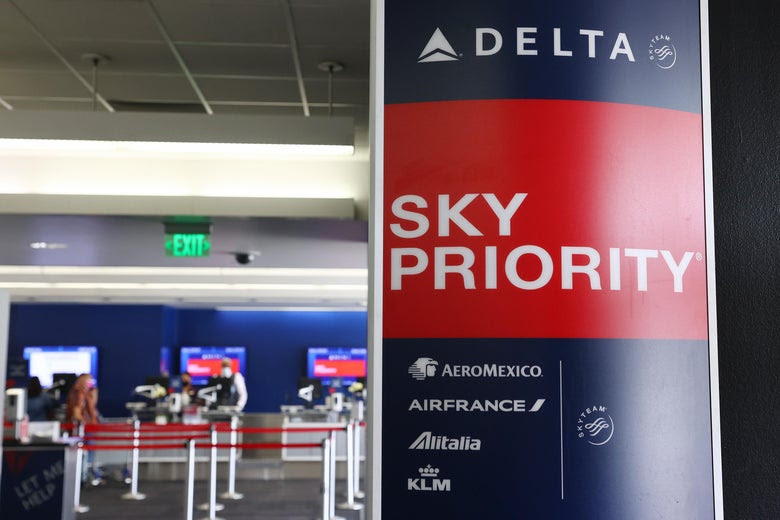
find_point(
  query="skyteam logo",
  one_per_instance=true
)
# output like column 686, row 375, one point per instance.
column 595, row 425
column 662, row 51
column 437, row 49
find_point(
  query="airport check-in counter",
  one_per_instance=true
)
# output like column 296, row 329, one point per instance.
column 300, row 418
column 165, row 407
column 197, row 416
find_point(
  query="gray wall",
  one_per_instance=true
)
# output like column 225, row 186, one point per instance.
column 745, row 64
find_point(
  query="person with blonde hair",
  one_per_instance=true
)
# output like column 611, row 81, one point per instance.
column 82, row 400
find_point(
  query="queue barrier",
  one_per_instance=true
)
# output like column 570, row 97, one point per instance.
column 152, row 431
column 137, row 433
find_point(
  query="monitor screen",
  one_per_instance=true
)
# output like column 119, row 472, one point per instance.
column 309, row 389
column 204, row 362
column 223, row 389
column 44, row 361
column 329, row 363
column 63, row 383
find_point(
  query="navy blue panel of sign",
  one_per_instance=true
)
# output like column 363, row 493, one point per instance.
column 545, row 428
column 623, row 51
column 32, row 483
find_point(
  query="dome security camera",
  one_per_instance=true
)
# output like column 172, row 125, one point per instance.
column 244, row 258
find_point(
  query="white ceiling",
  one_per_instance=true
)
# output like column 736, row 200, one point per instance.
column 239, row 53
column 254, row 57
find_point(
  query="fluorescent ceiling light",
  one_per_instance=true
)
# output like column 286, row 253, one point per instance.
column 130, row 286
column 267, row 287
column 224, row 135
column 178, row 272
column 141, row 147
column 48, row 245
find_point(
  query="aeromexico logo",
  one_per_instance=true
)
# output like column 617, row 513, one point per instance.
column 426, row 367
column 590, row 43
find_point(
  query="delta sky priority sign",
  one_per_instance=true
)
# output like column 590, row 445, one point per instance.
column 543, row 319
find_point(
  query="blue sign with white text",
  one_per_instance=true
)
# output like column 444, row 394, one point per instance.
column 32, row 483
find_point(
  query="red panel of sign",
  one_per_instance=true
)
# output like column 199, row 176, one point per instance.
column 551, row 219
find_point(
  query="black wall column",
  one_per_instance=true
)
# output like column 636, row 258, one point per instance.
column 745, row 68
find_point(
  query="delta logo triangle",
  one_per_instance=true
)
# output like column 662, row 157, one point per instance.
column 437, row 49
column 16, row 461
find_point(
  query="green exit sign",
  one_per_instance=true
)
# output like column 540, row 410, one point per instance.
column 187, row 244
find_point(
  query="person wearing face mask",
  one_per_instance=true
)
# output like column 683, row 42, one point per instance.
column 187, row 390
column 238, row 393
column 81, row 408
column 82, row 400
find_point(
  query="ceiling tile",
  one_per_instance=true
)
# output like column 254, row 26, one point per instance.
column 238, row 60
column 354, row 92
column 284, row 90
column 224, row 21
column 150, row 57
column 332, row 24
column 148, row 88
column 99, row 19
column 40, row 83
column 355, row 61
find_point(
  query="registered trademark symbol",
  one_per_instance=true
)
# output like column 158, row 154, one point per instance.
column 699, row 257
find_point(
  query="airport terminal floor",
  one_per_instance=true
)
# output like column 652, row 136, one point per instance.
column 294, row 499
column 100, row 474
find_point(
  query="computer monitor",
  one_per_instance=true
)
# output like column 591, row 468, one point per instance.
column 309, row 389
column 44, row 361
column 223, row 390
column 63, row 382
column 204, row 362
column 336, row 366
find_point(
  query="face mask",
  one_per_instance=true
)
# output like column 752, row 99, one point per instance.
column 226, row 372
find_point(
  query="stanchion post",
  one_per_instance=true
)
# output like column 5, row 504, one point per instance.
column 332, row 497
column 77, row 507
column 134, row 494
column 189, row 496
column 326, row 478
column 212, row 506
column 357, row 438
column 350, row 504
column 231, row 494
